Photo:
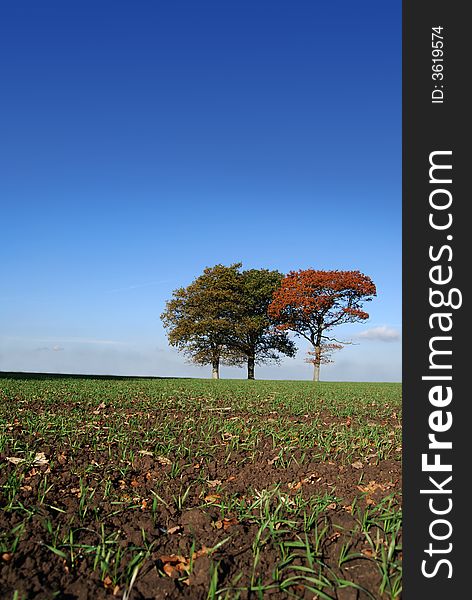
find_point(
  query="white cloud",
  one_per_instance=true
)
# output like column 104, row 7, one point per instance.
column 384, row 333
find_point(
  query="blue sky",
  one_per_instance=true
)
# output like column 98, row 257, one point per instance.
column 144, row 141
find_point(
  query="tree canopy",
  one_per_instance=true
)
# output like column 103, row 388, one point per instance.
column 221, row 317
column 200, row 318
column 255, row 335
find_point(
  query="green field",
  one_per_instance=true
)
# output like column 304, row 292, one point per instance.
column 183, row 488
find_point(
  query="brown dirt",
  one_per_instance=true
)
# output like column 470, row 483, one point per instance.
column 178, row 533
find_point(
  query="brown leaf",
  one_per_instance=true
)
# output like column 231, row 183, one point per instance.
column 202, row 552
column 176, row 529
column 227, row 523
column 213, row 483
column 372, row 487
column 172, row 558
column 357, row 464
column 169, row 570
column 212, row 497
column 107, row 582
column 15, row 460
column 174, row 564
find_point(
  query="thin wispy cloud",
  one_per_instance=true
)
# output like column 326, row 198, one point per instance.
column 383, row 333
column 55, row 348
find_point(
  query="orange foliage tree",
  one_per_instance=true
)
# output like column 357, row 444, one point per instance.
column 310, row 303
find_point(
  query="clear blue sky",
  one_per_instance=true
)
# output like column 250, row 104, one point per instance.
column 143, row 141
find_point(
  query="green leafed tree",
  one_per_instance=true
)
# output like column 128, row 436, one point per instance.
column 221, row 317
column 255, row 337
column 199, row 319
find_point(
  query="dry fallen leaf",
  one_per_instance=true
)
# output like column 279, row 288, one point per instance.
column 372, row 486
column 107, row 582
column 331, row 506
column 162, row 460
column 39, row 460
column 226, row 523
column 174, row 565
column 212, row 497
column 213, row 483
column 176, row 529
column 15, row 460
column 357, row 465
column 202, row 552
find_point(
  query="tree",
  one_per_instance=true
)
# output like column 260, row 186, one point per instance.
column 310, row 303
column 199, row 319
column 221, row 317
column 255, row 336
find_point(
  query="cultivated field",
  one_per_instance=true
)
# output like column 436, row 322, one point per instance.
column 198, row 489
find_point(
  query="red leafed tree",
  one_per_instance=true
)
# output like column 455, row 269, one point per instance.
column 311, row 303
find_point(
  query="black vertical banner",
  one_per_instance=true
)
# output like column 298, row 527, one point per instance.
column 436, row 365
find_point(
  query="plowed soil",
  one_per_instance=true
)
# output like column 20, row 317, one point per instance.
column 230, row 519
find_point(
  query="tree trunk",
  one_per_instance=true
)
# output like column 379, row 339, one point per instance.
column 250, row 366
column 316, row 363
column 215, row 368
